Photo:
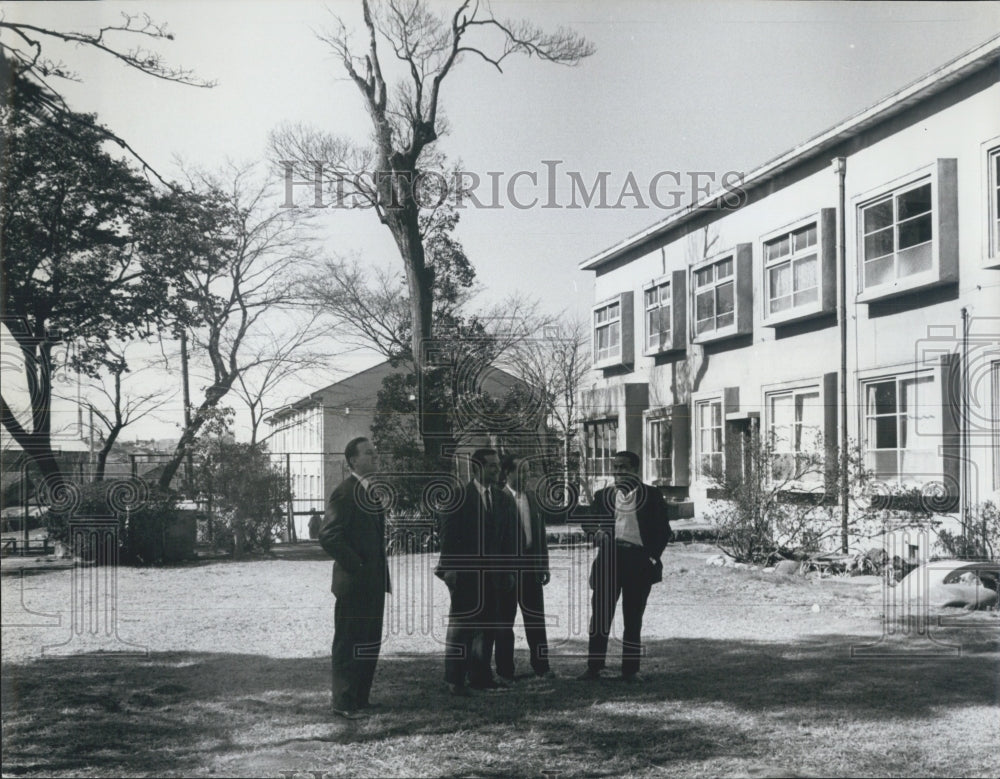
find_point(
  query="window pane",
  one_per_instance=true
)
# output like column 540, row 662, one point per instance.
column 780, row 304
column 782, row 410
column 724, row 269
column 915, row 259
column 804, row 238
column 878, row 244
column 805, row 273
column 878, row 271
column 781, row 280
column 915, row 231
column 613, row 311
column 717, row 414
column 664, row 324
column 615, row 333
column 703, row 276
column 882, row 398
column 916, row 201
column 884, row 432
column 650, row 297
column 878, row 215
column 778, row 248
column 809, row 296
column 704, row 303
column 809, row 415
column 724, row 297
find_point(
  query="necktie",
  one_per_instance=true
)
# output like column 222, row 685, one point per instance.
column 489, row 502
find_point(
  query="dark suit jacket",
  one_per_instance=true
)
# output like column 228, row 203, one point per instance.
column 473, row 542
column 651, row 515
column 535, row 557
column 354, row 536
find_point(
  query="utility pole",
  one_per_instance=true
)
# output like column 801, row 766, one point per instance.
column 187, row 401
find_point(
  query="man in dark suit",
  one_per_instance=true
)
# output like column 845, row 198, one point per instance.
column 532, row 575
column 631, row 529
column 476, row 544
column 354, row 536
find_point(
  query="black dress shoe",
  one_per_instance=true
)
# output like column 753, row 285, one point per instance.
column 459, row 691
column 349, row 713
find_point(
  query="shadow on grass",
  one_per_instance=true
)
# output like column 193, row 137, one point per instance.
column 173, row 713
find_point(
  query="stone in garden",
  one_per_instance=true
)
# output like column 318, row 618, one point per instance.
column 788, row 567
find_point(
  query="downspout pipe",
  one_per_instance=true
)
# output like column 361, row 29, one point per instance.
column 963, row 415
column 840, row 169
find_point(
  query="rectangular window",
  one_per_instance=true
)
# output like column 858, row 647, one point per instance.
column 657, row 304
column 902, row 429
column 659, row 449
column 607, row 332
column 601, row 442
column 791, row 267
column 708, row 422
column 795, row 432
column 714, row 296
column 897, row 235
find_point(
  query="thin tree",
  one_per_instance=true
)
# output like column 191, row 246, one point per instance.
column 277, row 358
column 238, row 256
column 407, row 120
column 554, row 364
column 25, row 63
column 115, row 402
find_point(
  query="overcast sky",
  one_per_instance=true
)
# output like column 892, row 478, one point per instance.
column 673, row 86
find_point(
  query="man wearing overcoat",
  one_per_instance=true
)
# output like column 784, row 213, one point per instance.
column 354, row 536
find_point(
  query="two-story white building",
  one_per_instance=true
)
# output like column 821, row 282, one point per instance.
column 849, row 290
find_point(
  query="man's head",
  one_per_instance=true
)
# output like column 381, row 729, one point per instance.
column 511, row 471
column 625, row 467
column 360, row 455
column 486, row 466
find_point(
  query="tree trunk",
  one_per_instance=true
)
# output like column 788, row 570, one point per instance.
column 405, row 228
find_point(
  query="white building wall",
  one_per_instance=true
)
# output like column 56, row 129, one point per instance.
column 884, row 336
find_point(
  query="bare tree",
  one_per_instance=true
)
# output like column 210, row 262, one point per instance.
column 245, row 255
column 112, row 400
column 277, row 357
column 407, row 120
column 554, row 363
column 28, row 75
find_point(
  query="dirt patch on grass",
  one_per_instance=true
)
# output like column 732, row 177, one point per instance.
column 229, row 675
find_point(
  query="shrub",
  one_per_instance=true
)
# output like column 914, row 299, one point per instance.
column 248, row 495
column 148, row 520
column 980, row 536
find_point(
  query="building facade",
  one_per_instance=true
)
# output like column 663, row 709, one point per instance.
column 848, row 290
column 310, row 435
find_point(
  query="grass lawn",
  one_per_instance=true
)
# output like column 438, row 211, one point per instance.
column 225, row 672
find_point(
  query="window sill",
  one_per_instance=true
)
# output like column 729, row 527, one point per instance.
column 992, row 262
column 717, row 335
column 796, row 315
column 609, row 362
column 666, row 349
column 919, row 281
